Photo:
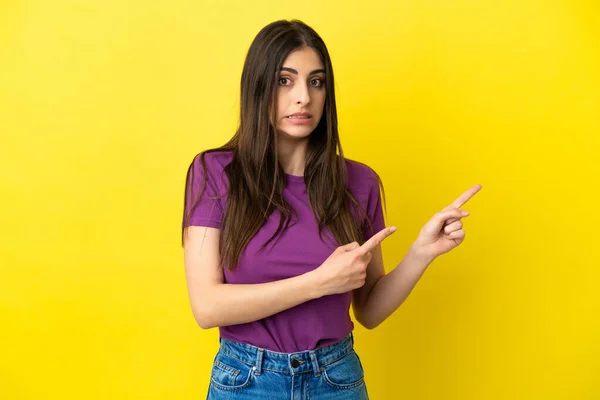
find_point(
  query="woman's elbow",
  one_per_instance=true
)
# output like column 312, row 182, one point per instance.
column 368, row 323
column 205, row 323
column 204, row 317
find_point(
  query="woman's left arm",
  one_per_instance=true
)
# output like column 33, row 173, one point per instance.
column 383, row 293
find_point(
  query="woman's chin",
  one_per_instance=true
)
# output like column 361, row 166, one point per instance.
column 297, row 133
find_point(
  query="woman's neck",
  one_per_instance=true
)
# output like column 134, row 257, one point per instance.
column 292, row 157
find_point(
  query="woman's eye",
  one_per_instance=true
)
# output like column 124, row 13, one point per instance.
column 317, row 82
column 282, row 81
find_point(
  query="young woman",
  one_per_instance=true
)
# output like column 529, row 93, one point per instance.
column 282, row 234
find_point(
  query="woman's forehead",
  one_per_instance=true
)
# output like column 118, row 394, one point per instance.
column 304, row 60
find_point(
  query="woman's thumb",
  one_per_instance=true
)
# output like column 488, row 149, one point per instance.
column 351, row 246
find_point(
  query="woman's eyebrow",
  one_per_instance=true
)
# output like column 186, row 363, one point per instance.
column 293, row 71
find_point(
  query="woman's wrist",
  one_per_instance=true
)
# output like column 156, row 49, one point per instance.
column 421, row 257
column 312, row 284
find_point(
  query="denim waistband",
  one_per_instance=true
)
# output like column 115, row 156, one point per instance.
column 287, row 363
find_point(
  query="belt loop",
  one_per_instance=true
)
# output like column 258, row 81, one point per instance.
column 315, row 363
column 259, row 358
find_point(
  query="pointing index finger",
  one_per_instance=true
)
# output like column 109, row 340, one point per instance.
column 466, row 196
column 375, row 240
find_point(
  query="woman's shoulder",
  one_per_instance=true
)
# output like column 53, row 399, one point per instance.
column 211, row 164
column 359, row 172
column 214, row 160
column 215, row 156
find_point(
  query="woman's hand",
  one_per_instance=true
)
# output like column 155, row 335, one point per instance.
column 444, row 231
column 346, row 268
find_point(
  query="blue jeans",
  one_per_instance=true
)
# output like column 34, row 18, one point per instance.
column 242, row 371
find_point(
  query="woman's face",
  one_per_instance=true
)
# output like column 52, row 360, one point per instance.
column 300, row 93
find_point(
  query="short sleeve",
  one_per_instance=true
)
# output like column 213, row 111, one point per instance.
column 374, row 209
column 203, row 205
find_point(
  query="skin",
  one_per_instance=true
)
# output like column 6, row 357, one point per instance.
column 301, row 88
column 383, row 293
column 359, row 269
column 375, row 294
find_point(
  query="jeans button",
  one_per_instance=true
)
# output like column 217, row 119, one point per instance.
column 295, row 363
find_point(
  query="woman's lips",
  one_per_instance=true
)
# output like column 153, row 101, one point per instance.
column 299, row 119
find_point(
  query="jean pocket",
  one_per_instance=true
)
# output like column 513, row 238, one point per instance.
column 230, row 374
column 345, row 373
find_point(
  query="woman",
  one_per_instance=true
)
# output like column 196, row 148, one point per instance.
column 281, row 234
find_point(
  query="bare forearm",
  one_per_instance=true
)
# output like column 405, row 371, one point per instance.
column 392, row 289
column 231, row 304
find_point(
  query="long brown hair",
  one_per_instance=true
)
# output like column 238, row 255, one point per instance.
column 256, row 179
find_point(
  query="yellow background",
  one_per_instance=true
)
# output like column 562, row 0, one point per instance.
column 103, row 104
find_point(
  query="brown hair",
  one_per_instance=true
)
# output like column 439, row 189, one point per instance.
column 256, row 179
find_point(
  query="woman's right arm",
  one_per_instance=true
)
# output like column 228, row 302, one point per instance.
column 215, row 303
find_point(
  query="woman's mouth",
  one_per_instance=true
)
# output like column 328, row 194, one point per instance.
column 299, row 119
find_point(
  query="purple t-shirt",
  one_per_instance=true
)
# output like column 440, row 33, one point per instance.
column 315, row 323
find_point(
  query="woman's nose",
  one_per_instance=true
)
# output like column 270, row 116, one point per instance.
column 302, row 94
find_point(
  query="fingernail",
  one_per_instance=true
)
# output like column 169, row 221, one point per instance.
column 393, row 229
column 465, row 213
